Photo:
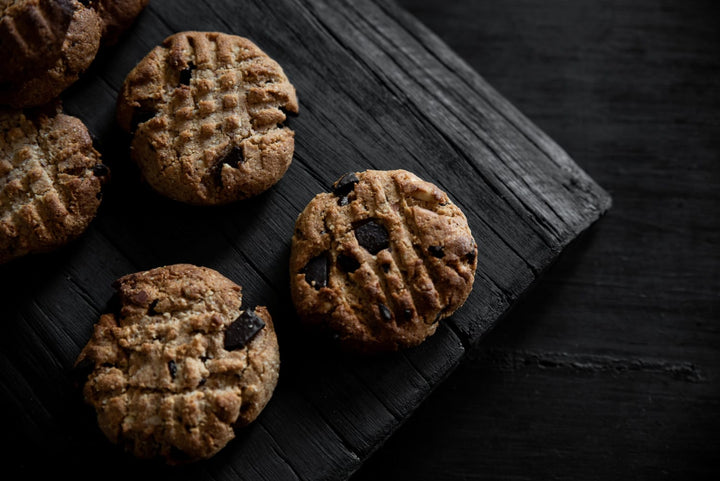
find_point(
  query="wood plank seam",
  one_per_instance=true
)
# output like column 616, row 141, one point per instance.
column 276, row 448
column 51, row 347
column 514, row 359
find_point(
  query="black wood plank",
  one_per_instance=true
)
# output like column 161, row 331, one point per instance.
column 376, row 90
column 542, row 423
column 609, row 368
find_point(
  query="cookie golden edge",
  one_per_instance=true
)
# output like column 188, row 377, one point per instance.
column 36, row 217
column 322, row 309
column 205, row 176
column 51, row 43
column 240, row 390
column 66, row 62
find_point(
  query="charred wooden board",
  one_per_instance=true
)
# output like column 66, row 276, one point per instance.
column 377, row 90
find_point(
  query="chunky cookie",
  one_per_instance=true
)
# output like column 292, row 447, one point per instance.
column 50, row 181
column 206, row 111
column 379, row 260
column 179, row 364
column 46, row 45
column 117, row 16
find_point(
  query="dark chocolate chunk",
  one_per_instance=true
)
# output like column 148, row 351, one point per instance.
column 316, row 271
column 385, row 268
column 347, row 263
column 202, row 382
column 100, row 170
column 234, row 158
column 437, row 251
column 372, row 235
column 385, row 312
column 151, row 309
column 470, row 256
column 139, row 298
column 242, row 330
column 408, row 313
column 186, row 73
column 345, row 184
column 172, row 367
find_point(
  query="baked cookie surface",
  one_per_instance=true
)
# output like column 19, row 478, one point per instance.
column 50, row 181
column 206, row 112
column 378, row 261
column 46, row 44
column 180, row 364
column 117, row 16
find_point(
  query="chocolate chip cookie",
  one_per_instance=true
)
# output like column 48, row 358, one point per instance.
column 206, row 112
column 50, row 181
column 179, row 365
column 380, row 260
column 46, row 46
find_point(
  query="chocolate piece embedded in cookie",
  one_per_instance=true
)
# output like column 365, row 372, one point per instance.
column 243, row 329
column 50, row 181
column 206, row 111
column 180, row 365
column 380, row 269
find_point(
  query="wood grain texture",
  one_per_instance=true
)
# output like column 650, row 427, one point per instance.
column 376, row 90
column 609, row 368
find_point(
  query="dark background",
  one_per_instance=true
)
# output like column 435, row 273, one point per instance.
column 609, row 368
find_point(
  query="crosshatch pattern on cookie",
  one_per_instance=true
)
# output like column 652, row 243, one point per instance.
column 178, row 358
column 47, row 45
column 207, row 113
column 381, row 259
column 51, row 181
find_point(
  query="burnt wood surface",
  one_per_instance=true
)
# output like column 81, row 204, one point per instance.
column 377, row 89
column 609, row 369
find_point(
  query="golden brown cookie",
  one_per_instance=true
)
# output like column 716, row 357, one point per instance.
column 46, row 45
column 50, row 181
column 179, row 365
column 206, row 111
column 382, row 258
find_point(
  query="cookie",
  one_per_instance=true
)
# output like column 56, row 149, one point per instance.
column 380, row 260
column 50, row 181
column 117, row 16
column 178, row 365
column 206, row 111
column 46, row 44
